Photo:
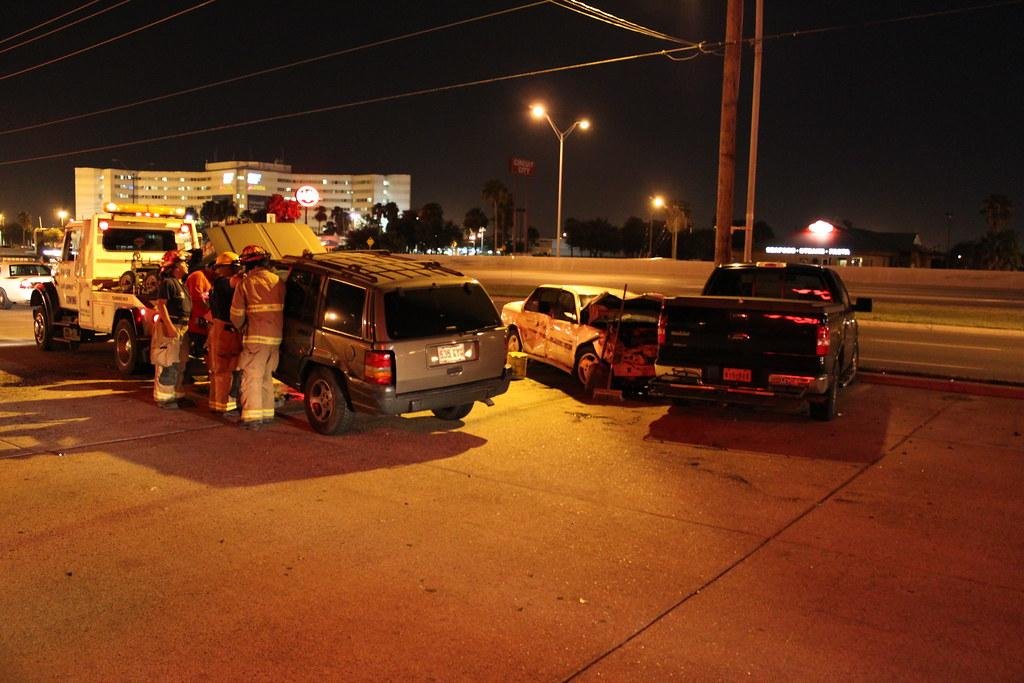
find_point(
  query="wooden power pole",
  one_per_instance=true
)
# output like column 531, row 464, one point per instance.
column 727, row 131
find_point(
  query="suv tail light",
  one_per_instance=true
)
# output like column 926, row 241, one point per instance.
column 377, row 368
column 824, row 340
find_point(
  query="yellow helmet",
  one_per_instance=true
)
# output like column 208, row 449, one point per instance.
column 227, row 258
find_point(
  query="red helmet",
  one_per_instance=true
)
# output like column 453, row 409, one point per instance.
column 253, row 255
column 171, row 257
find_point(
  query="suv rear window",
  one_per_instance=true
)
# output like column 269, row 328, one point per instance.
column 436, row 311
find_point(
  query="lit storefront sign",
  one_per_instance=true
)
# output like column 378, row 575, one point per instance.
column 307, row 196
column 809, row 251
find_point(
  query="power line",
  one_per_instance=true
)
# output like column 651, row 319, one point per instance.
column 270, row 70
column 64, row 27
column 107, row 41
column 607, row 18
column 48, row 21
column 349, row 105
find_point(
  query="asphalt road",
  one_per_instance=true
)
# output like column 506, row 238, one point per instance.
column 547, row 538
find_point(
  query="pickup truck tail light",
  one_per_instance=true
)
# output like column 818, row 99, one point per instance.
column 824, row 340
column 377, row 368
column 661, row 329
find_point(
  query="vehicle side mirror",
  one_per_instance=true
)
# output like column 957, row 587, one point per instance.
column 862, row 304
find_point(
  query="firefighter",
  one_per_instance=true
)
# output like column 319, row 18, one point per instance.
column 198, row 285
column 224, row 341
column 257, row 309
column 169, row 346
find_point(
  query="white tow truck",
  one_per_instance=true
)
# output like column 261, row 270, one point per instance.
column 107, row 279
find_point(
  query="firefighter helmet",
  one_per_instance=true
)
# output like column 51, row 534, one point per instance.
column 254, row 255
column 172, row 257
column 226, row 258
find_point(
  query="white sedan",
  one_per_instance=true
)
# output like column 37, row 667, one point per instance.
column 18, row 278
column 576, row 328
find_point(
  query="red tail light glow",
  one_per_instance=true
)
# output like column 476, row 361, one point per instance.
column 661, row 328
column 377, row 368
column 824, row 340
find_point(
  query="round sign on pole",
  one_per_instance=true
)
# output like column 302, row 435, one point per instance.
column 307, row 196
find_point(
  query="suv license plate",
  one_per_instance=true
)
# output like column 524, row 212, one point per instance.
column 736, row 375
column 448, row 354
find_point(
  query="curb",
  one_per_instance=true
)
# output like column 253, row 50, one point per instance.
column 950, row 386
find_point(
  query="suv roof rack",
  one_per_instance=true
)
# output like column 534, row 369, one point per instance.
column 371, row 266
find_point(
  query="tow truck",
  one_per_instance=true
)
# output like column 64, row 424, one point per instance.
column 107, row 280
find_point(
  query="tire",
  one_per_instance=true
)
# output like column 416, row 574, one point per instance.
column 825, row 408
column 514, row 344
column 326, row 404
column 586, row 359
column 453, row 412
column 127, row 349
column 5, row 301
column 41, row 329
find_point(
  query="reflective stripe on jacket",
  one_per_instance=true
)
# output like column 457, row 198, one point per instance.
column 257, row 307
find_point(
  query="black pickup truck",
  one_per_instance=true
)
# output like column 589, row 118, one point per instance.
column 760, row 332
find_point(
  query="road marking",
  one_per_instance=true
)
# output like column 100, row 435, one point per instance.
column 951, row 346
column 865, row 359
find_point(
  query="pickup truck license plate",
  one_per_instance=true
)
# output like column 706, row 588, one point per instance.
column 451, row 353
column 736, row 375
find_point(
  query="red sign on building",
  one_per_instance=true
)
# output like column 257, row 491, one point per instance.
column 520, row 166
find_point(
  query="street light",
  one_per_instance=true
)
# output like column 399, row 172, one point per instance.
column 539, row 112
column 63, row 216
column 657, row 202
column 481, row 232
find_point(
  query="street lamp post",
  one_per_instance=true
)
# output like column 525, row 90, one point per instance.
column 482, row 231
column 657, row 202
column 539, row 112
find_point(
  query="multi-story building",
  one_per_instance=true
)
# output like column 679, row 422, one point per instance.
column 248, row 183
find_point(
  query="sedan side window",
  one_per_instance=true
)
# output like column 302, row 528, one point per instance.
column 566, row 306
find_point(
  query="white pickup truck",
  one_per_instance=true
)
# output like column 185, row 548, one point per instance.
column 576, row 328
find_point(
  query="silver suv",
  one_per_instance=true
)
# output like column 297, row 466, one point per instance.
column 380, row 333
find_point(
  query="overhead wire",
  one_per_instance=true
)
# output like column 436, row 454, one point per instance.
column 270, row 70
column 608, row 18
column 349, row 105
column 48, row 21
column 64, row 27
column 120, row 36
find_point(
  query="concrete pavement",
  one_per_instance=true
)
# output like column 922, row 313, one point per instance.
column 547, row 538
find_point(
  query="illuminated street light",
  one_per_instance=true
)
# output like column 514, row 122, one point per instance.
column 821, row 228
column 63, row 216
column 538, row 112
column 657, row 202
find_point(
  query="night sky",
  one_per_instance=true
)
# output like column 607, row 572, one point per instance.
column 887, row 124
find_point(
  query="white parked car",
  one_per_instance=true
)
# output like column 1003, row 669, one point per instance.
column 18, row 277
column 576, row 328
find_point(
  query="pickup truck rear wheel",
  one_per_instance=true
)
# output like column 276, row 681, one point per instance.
column 824, row 409
column 453, row 412
column 586, row 360
column 851, row 372
column 127, row 350
column 42, row 330
column 325, row 402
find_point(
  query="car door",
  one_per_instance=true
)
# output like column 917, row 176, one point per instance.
column 302, row 294
column 536, row 317
column 561, row 335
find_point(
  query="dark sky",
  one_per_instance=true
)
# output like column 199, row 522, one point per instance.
column 888, row 124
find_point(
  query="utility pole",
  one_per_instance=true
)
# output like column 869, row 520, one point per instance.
column 727, row 131
column 755, row 117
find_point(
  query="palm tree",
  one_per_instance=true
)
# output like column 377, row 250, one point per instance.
column 320, row 216
column 998, row 210
column 498, row 196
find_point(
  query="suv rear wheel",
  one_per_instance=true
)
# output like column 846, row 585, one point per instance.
column 326, row 405
column 453, row 412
